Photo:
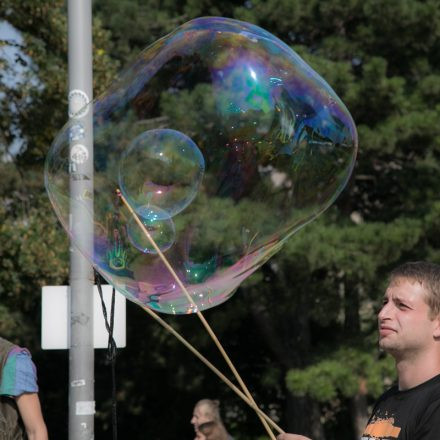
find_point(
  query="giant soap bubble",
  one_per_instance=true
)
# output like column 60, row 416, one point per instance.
column 224, row 142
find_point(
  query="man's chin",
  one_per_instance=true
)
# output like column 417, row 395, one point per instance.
column 384, row 344
column 388, row 347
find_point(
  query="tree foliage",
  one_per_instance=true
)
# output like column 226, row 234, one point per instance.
column 302, row 329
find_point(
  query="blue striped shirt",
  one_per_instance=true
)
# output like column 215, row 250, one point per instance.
column 19, row 374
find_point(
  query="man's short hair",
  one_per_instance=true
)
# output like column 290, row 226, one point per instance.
column 428, row 275
column 211, row 409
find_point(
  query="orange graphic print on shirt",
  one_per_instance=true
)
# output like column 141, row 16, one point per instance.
column 379, row 429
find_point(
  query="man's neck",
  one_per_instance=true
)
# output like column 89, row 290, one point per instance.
column 413, row 372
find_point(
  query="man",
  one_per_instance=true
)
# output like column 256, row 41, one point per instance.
column 20, row 410
column 207, row 422
column 409, row 330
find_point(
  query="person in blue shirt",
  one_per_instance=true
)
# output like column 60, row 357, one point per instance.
column 20, row 409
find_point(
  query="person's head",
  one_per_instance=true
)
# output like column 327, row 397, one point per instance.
column 409, row 319
column 425, row 274
column 206, row 419
column 206, row 410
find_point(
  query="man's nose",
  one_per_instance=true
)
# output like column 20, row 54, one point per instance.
column 384, row 312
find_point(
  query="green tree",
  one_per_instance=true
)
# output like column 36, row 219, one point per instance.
column 33, row 107
column 302, row 329
column 381, row 70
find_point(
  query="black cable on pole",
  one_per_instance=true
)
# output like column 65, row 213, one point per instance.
column 111, row 350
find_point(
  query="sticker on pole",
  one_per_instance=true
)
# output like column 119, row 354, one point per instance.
column 79, row 154
column 78, row 101
column 85, row 408
column 76, row 132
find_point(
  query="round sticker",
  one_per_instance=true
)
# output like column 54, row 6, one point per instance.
column 79, row 154
column 78, row 101
column 76, row 132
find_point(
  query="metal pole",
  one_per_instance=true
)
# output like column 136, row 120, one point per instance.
column 81, row 353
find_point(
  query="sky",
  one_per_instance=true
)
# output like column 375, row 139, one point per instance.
column 13, row 72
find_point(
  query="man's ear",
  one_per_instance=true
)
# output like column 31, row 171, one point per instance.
column 436, row 333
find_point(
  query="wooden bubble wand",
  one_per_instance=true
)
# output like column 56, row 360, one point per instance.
column 198, row 312
column 173, row 331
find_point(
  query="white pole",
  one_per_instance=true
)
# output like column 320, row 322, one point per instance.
column 81, row 353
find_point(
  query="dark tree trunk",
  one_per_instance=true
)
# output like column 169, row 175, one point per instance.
column 359, row 411
column 303, row 417
column 289, row 339
column 358, row 403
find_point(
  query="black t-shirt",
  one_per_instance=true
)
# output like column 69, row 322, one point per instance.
column 412, row 414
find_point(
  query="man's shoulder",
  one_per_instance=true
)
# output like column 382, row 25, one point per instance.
column 407, row 411
column 431, row 387
column 433, row 390
column 418, row 397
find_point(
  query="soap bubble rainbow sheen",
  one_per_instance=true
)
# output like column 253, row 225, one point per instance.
column 224, row 142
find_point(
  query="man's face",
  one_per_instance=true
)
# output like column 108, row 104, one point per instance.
column 199, row 416
column 405, row 328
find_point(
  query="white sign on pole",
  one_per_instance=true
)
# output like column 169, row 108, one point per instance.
column 55, row 319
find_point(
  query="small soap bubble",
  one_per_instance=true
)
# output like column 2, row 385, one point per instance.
column 157, row 224
column 163, row 168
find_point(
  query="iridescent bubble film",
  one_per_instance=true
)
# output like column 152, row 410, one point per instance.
column 158, row 224
column 162, row 168
column 224, row 142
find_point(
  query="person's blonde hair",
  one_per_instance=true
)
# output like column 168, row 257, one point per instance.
column 428, row 275
column 212, row 409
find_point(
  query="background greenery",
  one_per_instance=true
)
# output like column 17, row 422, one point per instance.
column 302, row 331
